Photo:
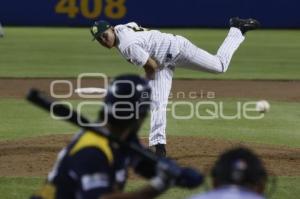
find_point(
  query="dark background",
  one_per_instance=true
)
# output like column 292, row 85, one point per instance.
column 155, row 13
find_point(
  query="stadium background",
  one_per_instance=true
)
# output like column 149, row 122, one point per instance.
column 155, row 13
column 49, row 40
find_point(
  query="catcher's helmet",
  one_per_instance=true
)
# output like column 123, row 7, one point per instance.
column 127, row 100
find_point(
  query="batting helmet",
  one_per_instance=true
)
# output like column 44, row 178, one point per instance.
column 127, row 100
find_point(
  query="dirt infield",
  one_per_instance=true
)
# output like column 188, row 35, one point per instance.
column 195, row 89
column 35, row 156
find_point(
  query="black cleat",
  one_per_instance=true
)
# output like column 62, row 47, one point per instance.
column 159, row 150
column 244, row 24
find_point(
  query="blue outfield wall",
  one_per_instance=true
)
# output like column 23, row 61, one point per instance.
column 154, row 13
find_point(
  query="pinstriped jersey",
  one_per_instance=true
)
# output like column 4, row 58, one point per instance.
column 137, row 44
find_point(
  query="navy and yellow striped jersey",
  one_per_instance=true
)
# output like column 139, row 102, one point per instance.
column 88, row 167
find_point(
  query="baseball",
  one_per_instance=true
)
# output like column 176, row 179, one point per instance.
column 262, row 106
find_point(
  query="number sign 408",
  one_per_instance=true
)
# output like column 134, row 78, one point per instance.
column 114, row 9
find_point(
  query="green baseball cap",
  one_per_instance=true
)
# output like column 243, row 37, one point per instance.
column 99, row 27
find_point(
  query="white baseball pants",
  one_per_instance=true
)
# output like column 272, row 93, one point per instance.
column 191, row 57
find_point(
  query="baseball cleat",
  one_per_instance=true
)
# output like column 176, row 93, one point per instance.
column 159, row 150
column 244, row 24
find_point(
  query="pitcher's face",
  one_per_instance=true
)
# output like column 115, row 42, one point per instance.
column 107, row 38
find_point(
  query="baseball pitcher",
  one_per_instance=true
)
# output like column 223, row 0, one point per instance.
column 159, row 53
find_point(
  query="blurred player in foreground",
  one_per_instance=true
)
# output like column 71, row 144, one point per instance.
column 159, row 53
column 237, row 174
column 94, row 167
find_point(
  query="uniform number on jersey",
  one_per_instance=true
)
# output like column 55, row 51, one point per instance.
column 91, row 9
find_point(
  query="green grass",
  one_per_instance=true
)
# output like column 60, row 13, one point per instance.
column 280, row 126
column 20, row 119
column 19, row 188
column 67, row 52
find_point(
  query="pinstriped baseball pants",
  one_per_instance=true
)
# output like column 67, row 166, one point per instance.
column 190, row 57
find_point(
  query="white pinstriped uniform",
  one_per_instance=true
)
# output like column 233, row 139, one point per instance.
column 228, row 192
column 170, row 51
